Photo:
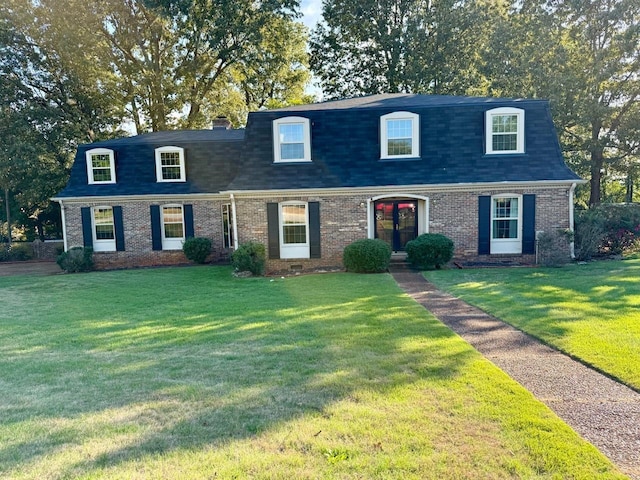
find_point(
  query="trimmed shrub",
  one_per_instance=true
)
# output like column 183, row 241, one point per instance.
column 15, row 252
column 197, row 249
column 76, row 259
column 367, row 256
column 429, row 250
column 249, row 257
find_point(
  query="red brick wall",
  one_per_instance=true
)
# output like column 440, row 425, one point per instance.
column 343, row 219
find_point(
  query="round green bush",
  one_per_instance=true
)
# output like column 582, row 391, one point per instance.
column 249, row 257
column 429, row 250
column 367, row 256
column 76, row 259
column 197, row 249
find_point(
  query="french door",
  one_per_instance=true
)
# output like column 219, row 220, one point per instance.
column 396, row 222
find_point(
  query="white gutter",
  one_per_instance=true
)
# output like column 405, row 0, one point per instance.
column 370, row 223
column 234, row 221
column 64, row 225
column 572, row 245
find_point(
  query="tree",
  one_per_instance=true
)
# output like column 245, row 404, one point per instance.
column 418, row 46
column 584, row 55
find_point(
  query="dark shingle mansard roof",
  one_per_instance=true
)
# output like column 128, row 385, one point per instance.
column 212, row 158
column 345, row 145
column 345, row 149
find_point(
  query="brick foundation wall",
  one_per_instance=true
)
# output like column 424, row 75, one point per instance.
column 343, row 219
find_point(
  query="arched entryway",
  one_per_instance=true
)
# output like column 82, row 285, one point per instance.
column 398, row 219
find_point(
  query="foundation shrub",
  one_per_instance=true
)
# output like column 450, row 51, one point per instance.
column 430, row 250
column 367, row 256
column 607, row 229
column 197, row 249
column 15, row 252
column 76, row 259
column 249, row 257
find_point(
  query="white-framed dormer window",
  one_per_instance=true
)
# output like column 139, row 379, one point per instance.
column 504, row 130
column 400, row 135
column 101, row 166
column 294, row 230
column 170, row 164
column 291, row 140
column 172, row 224
column 104, row 234
column 506, row 224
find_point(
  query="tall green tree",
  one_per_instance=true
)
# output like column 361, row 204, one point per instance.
column 584, row 55
column 419, row 46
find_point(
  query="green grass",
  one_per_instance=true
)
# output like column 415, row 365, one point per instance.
column 591, row 311
column 188, row 373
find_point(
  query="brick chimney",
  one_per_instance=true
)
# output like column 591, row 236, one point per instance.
column 221, row 122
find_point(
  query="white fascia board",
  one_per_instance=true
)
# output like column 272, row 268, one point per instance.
column 143, row 198
column 445, row 187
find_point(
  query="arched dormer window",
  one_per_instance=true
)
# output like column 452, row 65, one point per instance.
column 291, row 140
column 504, row 130
column 101, row 166
column 170, row 164
column 399, row 135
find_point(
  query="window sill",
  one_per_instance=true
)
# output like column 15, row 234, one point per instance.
column 400, row 159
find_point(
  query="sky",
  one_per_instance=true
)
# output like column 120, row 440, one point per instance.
column 311, row 12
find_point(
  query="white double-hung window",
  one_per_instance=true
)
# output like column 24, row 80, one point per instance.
column 504, row 130
column 101, row 166
column 170, row 164
column 294, row 230
column 506, row 224
column 104, row 235
column 172, row 227
column 399, row 135
column 291, row 140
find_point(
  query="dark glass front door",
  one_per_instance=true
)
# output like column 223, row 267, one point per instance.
column 396, row 222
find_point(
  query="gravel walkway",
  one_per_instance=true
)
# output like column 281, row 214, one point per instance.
column 601, row 410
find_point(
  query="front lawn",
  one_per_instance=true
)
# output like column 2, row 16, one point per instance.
column 188, row 373
column 591, row 311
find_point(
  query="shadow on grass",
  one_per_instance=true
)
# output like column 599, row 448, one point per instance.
column 183, row 359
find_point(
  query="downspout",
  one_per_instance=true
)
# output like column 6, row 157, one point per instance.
column 370, row 233
column 572, row 245
column 234, row 221
column 64, row 225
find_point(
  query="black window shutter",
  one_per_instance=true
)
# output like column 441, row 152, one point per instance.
column 529, row 224
column 314, row 229
column 188, row 221
column 156, row 229
column 273, row 230
column 484, row 225
column 87, row 228
column 118, row 225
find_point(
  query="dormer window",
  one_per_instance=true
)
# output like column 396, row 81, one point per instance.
column 291, row 140
column 100, row 166
column 170, row 164
column 400, row 135
column 505, row 130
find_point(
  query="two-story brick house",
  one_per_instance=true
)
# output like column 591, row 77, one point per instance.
column 308, row 180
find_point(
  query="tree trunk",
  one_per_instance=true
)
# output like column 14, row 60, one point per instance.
column 8, row 210
column 596, row 178
column 629, row 185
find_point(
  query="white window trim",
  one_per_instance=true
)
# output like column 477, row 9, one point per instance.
column 507, row 245
column 170, row 149
column 112, row 165
column 489, row 130
column 415, row 134
column 103, row 245
column 306, row 131
column 293, row 250
column 172, row 243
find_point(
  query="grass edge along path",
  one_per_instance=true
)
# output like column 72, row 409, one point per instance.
column 590, row 312
column 189, row 373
